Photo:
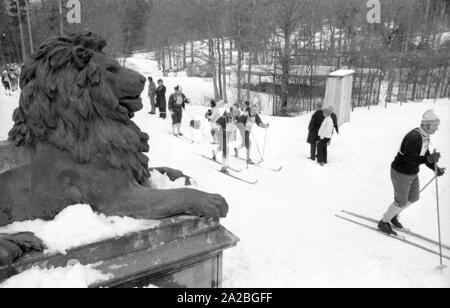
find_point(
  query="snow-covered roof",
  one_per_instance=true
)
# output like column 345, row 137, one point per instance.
column 341, row 73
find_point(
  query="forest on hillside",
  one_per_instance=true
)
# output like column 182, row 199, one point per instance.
column 410, row 43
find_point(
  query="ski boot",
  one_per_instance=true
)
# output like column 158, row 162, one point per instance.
column 214, row 157
column 250, row 162
column 396, row 223
column 236, row 153
column 386, row 228
column 225, row 170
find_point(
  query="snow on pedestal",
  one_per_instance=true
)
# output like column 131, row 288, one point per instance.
column 180, row 252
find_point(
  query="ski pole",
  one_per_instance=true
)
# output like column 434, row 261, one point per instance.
column 265, row 142
column 429, row 183
column 441, row 266
column 257, row 146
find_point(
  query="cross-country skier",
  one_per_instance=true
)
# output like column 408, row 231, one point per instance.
column 414, row 151
column 6, row 83
column 325, row 134
column 314, row 126
column 248, row 120
column 152, row 95
column 226, row 128
column 177, row 103
column 213, row 115
column 161, row 102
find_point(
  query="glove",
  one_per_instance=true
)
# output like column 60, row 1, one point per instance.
column 440, row 172
column 434, row 158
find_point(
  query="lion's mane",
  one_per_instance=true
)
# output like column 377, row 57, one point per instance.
column 66, row 102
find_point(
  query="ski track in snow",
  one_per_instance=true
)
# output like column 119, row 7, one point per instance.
column 289, row 235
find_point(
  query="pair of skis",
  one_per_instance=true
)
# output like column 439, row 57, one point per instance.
column 259, row 165
column 232, row 173
column 401, row 238
column 185, row 139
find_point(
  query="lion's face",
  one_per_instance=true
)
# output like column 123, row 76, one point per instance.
column 126, row 84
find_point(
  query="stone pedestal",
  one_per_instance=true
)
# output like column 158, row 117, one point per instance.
column 183, row 252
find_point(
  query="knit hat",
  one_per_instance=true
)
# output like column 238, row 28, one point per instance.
column 430, row 117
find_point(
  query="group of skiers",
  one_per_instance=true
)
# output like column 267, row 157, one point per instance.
column 10, row 79
column 177, row 103
column 224, row 127
column 321, row 129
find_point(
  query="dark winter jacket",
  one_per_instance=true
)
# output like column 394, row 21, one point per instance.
column 245, row 118
column 314, row 126
column 161, row 97
column 225, row 120
column 413, row 153
column 173, row 102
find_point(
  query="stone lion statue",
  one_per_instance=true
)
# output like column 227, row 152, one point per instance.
column 74, row 142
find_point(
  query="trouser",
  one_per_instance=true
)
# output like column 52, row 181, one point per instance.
column 406, row 192
column 224, row 140
column 162, row 112
column 313, row 150
column 322, row 151
column 245, row 137
column 214, row 134
column 153, row 103
column 177, row 116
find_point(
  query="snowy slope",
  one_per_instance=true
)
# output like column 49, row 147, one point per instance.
column 289, row 235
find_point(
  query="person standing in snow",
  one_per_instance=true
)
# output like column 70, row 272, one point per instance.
column 6, row 83
column 177, row 103
column 325, row 134
column 226, row 128
column 161, row 102
column 248, row 120
column 213, row 115
column 152, row 95
column 314, row 126
column 414, row 152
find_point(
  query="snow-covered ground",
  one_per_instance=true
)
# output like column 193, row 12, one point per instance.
column 289, row 234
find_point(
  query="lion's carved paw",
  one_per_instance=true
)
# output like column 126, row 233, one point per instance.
column 13, row 246
column 209, row 205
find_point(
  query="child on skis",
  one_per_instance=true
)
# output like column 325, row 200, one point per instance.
column 325, row 133
column 226, row 128
column 248, row 120
column 177, row 103
column 414, row 151
column 213, row 115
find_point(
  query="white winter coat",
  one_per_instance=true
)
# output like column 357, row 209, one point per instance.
column 214, row 117
column 326, row 129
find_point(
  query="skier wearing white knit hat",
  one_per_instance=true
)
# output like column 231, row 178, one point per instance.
column 414, row 151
